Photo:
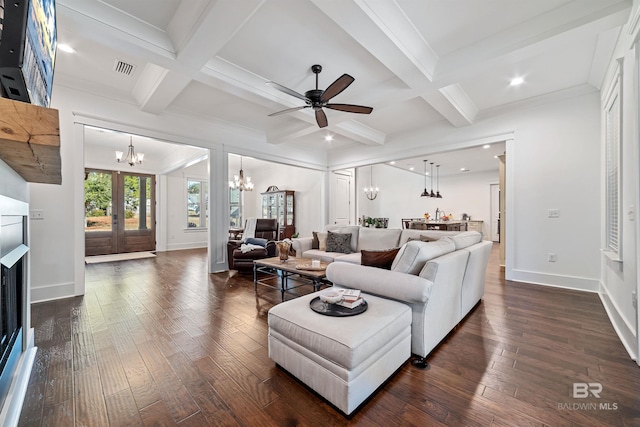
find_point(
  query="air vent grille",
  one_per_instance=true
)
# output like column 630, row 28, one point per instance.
column 123, row 68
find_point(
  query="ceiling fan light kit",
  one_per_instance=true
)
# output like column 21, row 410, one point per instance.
column 319, row 99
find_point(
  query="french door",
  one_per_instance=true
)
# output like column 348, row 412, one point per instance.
column 119, row 212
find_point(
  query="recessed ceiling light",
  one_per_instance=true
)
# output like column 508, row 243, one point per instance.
column 66, row 48
column 464, row 170
column 486, row 146
column 411, row 168
column 328, row 138
column 495, row 157
column 392, row 163
column 516, row 81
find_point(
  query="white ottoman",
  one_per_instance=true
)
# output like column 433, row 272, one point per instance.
column 344, row 359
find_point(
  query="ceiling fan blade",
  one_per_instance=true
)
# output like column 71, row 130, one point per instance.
column 349, row 108
column 321, row 118
column 289, row 91
column 336, row 87
column 288, row 110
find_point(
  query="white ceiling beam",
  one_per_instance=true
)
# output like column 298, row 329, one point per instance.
column 388, row 34
column 157, row 87
column 361, row 133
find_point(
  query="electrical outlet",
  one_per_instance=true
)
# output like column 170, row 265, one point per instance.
column 552, row 257
column 37, row 214
column 634, row 299
column 554, row 213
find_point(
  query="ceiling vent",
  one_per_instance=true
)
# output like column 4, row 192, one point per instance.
column 123, row 68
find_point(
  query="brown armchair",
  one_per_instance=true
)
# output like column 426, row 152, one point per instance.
column 266, row 228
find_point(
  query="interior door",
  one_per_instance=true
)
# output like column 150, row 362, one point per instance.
column 119, row 212
column 341, row 198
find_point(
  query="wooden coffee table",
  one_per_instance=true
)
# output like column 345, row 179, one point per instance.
column 274, row 267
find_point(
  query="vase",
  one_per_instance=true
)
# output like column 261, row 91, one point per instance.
column 283, row 249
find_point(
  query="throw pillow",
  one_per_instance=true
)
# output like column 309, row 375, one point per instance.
column 428, row 238
column 315, row 243
column 322, row 241
column 339, row 242
column 256, row 241
column 380, row 259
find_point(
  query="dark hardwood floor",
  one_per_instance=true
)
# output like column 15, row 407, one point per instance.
column 160, row 342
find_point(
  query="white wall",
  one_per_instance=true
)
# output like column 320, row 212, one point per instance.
column 177, row 234
column 620, row 279
column 308, row 185
column 399, row 195
column 12, row 185
column 553, row 159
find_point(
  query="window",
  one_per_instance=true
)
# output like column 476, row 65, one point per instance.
column 197, row 203
column 235, row 208
column 612, row 122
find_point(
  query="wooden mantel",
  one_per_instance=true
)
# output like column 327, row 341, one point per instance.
column 30, row 141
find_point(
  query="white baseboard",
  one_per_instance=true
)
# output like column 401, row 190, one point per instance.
column 183, row 246
column 557, row 281
column 52, row 292
column 620, row 325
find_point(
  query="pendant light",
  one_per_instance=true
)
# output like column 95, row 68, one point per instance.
column 438, row 195
column 432, row 193
column 425, row 193
column 132, row 157
column 371, row 192
column 240, row 182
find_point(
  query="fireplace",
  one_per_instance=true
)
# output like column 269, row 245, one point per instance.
column 16, row 338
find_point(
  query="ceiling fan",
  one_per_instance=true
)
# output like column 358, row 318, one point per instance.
column 317, row 98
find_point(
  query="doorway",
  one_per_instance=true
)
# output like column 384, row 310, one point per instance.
column 494, row 233
column 119, row 212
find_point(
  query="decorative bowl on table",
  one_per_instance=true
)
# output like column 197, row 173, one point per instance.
column 330, row 297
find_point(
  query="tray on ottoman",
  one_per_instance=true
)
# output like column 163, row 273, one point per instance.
column 344, row 359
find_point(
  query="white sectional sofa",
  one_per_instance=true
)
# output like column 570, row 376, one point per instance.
column 363, row 238
column 441, row 281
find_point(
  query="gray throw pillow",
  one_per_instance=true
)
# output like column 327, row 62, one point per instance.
column 339, row 242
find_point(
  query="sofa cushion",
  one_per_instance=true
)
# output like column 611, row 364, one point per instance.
column 323, row 256
column 466, row 239
column 380, row 259
column 415, row 234
column 378, row 238
column 353, row 229
column 339, row 242
column 353, row 258
column 322, row 241
column 413, row 255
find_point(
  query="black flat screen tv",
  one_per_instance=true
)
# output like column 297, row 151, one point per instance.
column 27, row 50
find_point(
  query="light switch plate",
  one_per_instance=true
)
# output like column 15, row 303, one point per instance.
column 554, row 213
column 36, row 214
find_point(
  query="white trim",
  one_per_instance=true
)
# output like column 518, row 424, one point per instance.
column 53, row 292
column 584, row 284
column 619, row 324
column 185, row 246
column 12, row 407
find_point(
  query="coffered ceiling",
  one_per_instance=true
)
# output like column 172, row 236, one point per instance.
column 416, row 62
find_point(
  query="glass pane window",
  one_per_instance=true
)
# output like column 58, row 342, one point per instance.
column 97, row 201
column 137, row 200
column 235, row 208
column 197, row 203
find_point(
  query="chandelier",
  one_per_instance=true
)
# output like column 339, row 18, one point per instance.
column 132, row 158
column 370, row 191
column 240, row 182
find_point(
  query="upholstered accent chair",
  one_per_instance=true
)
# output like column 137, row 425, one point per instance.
column 267, row 231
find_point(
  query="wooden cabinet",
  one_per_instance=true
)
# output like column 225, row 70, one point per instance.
column 474, row 226
column 280, row 205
